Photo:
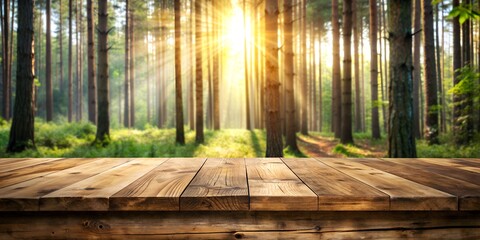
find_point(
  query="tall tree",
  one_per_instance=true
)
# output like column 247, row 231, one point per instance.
column 22, row 129
column 6, row 68
column 374, row 69
column 48, row 61
column 92, row 85
column 245, row 57
column 401, row 142
column 417, row 69
column 216, row 66
column 126, row 109
column 346, row 135
column 132, row 65
column 60, row 44
column 274, row 133
column 431, row 103
column 336, row 78
column 199, row 137
column 291, row 137
column 70, row 72
column 457, row 64
column 467, row 106
column 303, row 81
column 180, row 135
column 103, row 90
column 358, row 93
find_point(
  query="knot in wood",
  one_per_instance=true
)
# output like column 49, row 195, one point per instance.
column 96, row 226
column 238, row 235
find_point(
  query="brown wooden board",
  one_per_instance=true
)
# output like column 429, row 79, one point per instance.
column 25, row 196
column 436, row 167
column 160, row 189
column 468, row 194
column 25, row 163
column 92, row 194
column 220, row 185
column 240, row 225
column 404, row 194
column 40, row 170
column 337, row 191
column 4, row 161
column 274, row 187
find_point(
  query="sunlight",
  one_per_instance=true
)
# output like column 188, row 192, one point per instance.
column 236, row 31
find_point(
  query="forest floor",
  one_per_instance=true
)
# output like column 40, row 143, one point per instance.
column 75, row 140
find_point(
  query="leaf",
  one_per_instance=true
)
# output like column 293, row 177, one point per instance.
column 435, row 2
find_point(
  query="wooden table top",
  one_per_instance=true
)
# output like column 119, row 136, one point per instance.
column 260, row 184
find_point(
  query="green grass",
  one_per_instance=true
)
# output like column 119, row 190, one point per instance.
column 75, row 140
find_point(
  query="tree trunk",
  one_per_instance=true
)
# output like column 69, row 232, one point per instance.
column 180, row 135
column 314, row 107
column 92, row 84
column 22, row 129
column 132, row 67
column 216, row 66
column 48, row 61
column 320, row 84
column 439, row 67
column 60, row 45
column 303, row 81
column 199, row 137
column 356, row 40
column 431, row 106
column 70, row 72
column 291, row 137
column 417, row 71
column 103, row 128
column 346, row 135
column 374, row 69
column 274, row 133
column 336, row 78
column 126, row 108
column 401, row 142
column 467, row 106
column 245, row 60
column 7, row 88
column 191, row 106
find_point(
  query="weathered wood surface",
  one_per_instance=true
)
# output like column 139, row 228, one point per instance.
column 274, row 184
column 241, row 225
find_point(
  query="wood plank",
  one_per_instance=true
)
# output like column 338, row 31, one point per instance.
column 453, row 163
column 220, row 185
column 160, row 189
column 468, row 194
column 274, row 187
column 92, row 193
column 40, row 170
column 4, row 161
column 25, row 163
column 473, row 162
column 436, row 167
column 404, row 194
column 240, row 225
column 337, row 191
column 25, row 196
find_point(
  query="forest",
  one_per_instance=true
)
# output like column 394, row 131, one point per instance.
column 238, row 78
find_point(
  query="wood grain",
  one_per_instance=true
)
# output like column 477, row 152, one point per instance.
column 220, row 185
column 160, row 189
column 24, row 163
column 440, row 168
column 4, row 161
column 92, row 193
column 41, row 169
column 404, row 194
column 25, row 196
column 274, row 187
column 236, row 225
column 468, row 194
column 337, row 191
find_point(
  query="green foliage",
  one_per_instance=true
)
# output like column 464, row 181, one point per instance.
column 347, row 150
column 464, row 12
column 448, row 149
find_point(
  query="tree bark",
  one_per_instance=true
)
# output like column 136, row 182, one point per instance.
column 417, row 81
column 401, row 142
column 291, row 137
column 216, row 66
column 245, row 60
column 439, row 67
column 180, row 135
column 303, row 81
column 132, row 66
column 199, row 137
column 191, row 106
column 374, row 69
column 70, row 72
column 22, row 129
column 356, row 40
column 274, row 133
column 48, row 61
column 7, row 88
column 336, row 78
column 92, row 85
column 346, row 135
column 60, row 43
column 126, row 108
column 431, row 105
column 103, row 127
